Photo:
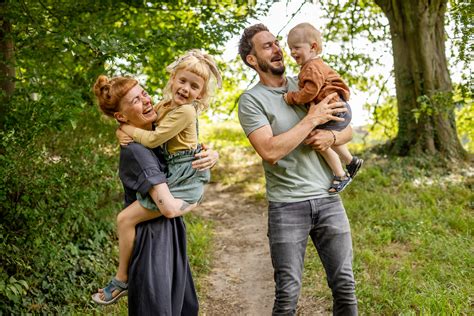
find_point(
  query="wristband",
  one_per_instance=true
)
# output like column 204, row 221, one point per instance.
column 333, row 136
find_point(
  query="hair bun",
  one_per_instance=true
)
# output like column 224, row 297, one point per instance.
column 101, row 83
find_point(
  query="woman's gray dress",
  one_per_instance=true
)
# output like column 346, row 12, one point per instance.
column 160, row 280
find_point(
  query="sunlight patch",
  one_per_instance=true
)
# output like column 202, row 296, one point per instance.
column 453, row 178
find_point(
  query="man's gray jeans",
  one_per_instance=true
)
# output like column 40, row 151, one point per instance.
column 325, row 220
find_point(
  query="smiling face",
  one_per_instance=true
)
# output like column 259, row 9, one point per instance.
column 186, row 87
column 301, row 49
column 136, row 109
column 267, row 55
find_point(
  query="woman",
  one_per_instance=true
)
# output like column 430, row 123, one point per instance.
column 159, row 278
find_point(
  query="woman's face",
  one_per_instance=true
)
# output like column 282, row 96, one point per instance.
column 186, row 87
column 136, row 109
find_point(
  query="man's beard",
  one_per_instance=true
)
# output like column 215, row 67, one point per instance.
column 266, row 67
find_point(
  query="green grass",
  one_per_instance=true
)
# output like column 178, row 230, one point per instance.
column 413, row 251
column 411, row 227
column 239, row 168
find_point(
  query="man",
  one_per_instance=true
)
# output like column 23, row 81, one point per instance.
column 297, row 178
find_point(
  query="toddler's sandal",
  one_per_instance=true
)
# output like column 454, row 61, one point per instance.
column 339, row 184
column 354, row 166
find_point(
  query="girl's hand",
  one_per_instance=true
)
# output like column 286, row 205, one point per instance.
column 127, row 129
column 206, row 159
column 123, row 138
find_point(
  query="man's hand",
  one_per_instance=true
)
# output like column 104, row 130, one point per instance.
column 123, row 138
column 324, row 111
column 320, row 139
column 206, row 159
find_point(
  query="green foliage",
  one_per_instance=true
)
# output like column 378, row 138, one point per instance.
column 461, row 14
column 238, row 167
column 428, row 106
column 385, row 123
column 363, row 22
column 59, row 196
column 224, row 105
column 61, row 49
column 199, row 236
column 348, row 23
column 464, row 119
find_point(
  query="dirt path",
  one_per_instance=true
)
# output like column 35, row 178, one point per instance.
column 241, row 278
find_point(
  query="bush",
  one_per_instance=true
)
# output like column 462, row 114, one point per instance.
column 57, row 219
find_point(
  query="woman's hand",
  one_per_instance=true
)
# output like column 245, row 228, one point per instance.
column 123, row 138
column 206, row 159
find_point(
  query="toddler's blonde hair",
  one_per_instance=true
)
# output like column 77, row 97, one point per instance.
column 310, row 35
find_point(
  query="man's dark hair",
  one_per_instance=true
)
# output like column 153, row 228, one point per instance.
column 245, row 44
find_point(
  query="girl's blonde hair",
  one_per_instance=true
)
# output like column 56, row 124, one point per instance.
column 200, row 64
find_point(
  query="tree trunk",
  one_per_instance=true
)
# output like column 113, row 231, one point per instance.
column 7, row 63
column 424, row 89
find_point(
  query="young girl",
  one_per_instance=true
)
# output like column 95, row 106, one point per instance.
column 186, row 94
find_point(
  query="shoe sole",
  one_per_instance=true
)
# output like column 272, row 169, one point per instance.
column 96, row 298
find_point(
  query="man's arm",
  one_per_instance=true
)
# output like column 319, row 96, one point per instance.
column 321, row 139
column 273, row 148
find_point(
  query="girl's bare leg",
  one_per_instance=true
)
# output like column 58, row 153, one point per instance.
column 134, row 214
column 127, row 219
column 126, row 222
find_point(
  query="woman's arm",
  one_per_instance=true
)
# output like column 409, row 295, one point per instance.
column 141, row 171
column 169, row 206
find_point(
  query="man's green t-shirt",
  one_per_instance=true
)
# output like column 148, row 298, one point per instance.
column 300, row 175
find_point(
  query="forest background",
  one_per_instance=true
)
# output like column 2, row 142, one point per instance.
column 411, row 207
